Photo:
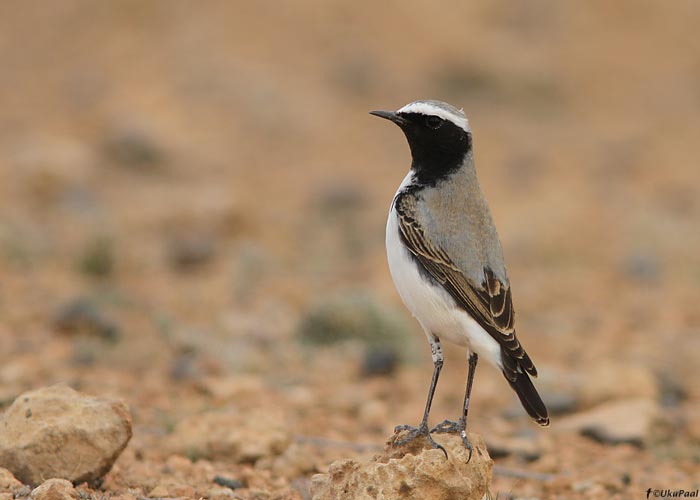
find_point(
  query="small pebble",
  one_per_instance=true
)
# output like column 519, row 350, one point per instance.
column 159, row 491
column 228, row 482
column 379, row 361
column 53, row 489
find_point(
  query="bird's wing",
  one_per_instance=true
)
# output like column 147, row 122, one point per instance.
column 489, row 303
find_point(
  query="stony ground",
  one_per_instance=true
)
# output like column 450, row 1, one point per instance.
column 191, row 219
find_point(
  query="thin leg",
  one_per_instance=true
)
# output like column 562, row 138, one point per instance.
column 460, row 427
column 422, row 429
column 473, row 360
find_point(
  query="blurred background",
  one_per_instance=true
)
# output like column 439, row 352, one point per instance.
column 192, row 210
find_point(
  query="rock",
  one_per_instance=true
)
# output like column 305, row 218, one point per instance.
column 235, row 436
column 83, row 316
column 172, row 490
column 380, row 360
column 159, row 491
column 57, row 432
column 221, row 494
column 54, row 489
column 302, row 486
column 185, row 366
column 626, row 421
column 229, row 482
column 231, row 387
column 8, row 482
column 559, row 402
column 414, row 472
column 607, row 381
column 298, row 460
column 565, row 391
column 133, row 147
column 191, row 250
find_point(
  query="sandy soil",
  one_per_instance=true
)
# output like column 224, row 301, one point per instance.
column 203, row 178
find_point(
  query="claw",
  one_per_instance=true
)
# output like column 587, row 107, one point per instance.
column 450, row 427
column 415, row 433
column 467, row 443
column 447, row 427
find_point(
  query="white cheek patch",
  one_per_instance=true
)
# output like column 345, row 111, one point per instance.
column 428, row 109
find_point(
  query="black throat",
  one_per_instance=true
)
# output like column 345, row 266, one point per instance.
column 436, row 153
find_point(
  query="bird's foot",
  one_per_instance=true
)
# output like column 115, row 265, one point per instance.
column 450, row 427
column 413, row 433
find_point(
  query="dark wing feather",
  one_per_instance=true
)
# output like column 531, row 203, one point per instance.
column 489, row 303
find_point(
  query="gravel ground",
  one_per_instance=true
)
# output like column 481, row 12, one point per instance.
column 192, row 210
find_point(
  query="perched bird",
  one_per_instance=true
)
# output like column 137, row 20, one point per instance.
column 447, row 263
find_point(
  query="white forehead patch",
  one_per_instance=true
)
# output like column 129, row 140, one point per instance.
column 426, row 108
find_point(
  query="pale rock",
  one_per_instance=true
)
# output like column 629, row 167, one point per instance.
column 300, row 397
column 54, row 489
column 178, row 465
column 611, row 380
column 625, row 421
column 232, row 388
column 232, row 435
column 565, row 391
column 298, row 459
column 8, row 482
column 181, row 491
column 411, row 472
column 56, row 432
column 220, row 493
column 159, row 491
column 7, row 496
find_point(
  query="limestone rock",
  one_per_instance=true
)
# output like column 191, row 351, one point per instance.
column 159, row 491
column 626, row 421
column 8, row 482
column 54, row 489
column 234, row 436
column 609, row 381
column 412, row 472
column 56, row 432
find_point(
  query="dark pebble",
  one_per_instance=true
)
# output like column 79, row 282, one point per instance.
column 83, row 316
column 379, row 361
column 133, row 148
column 228, row 482
column 189, row 251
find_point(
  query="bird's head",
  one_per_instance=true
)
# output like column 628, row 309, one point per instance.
column 437, row 133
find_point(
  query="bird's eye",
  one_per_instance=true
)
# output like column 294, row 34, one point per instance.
column 434, row 122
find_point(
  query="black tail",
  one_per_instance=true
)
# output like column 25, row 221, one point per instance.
column 520, row 381
column 529, row 398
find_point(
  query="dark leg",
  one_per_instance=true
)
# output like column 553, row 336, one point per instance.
column 473, row 360
column 422, row 429
column 460, row 427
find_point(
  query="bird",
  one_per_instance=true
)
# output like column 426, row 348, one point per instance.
column 446, row 261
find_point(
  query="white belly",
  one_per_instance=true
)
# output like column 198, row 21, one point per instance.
column 431, row 305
